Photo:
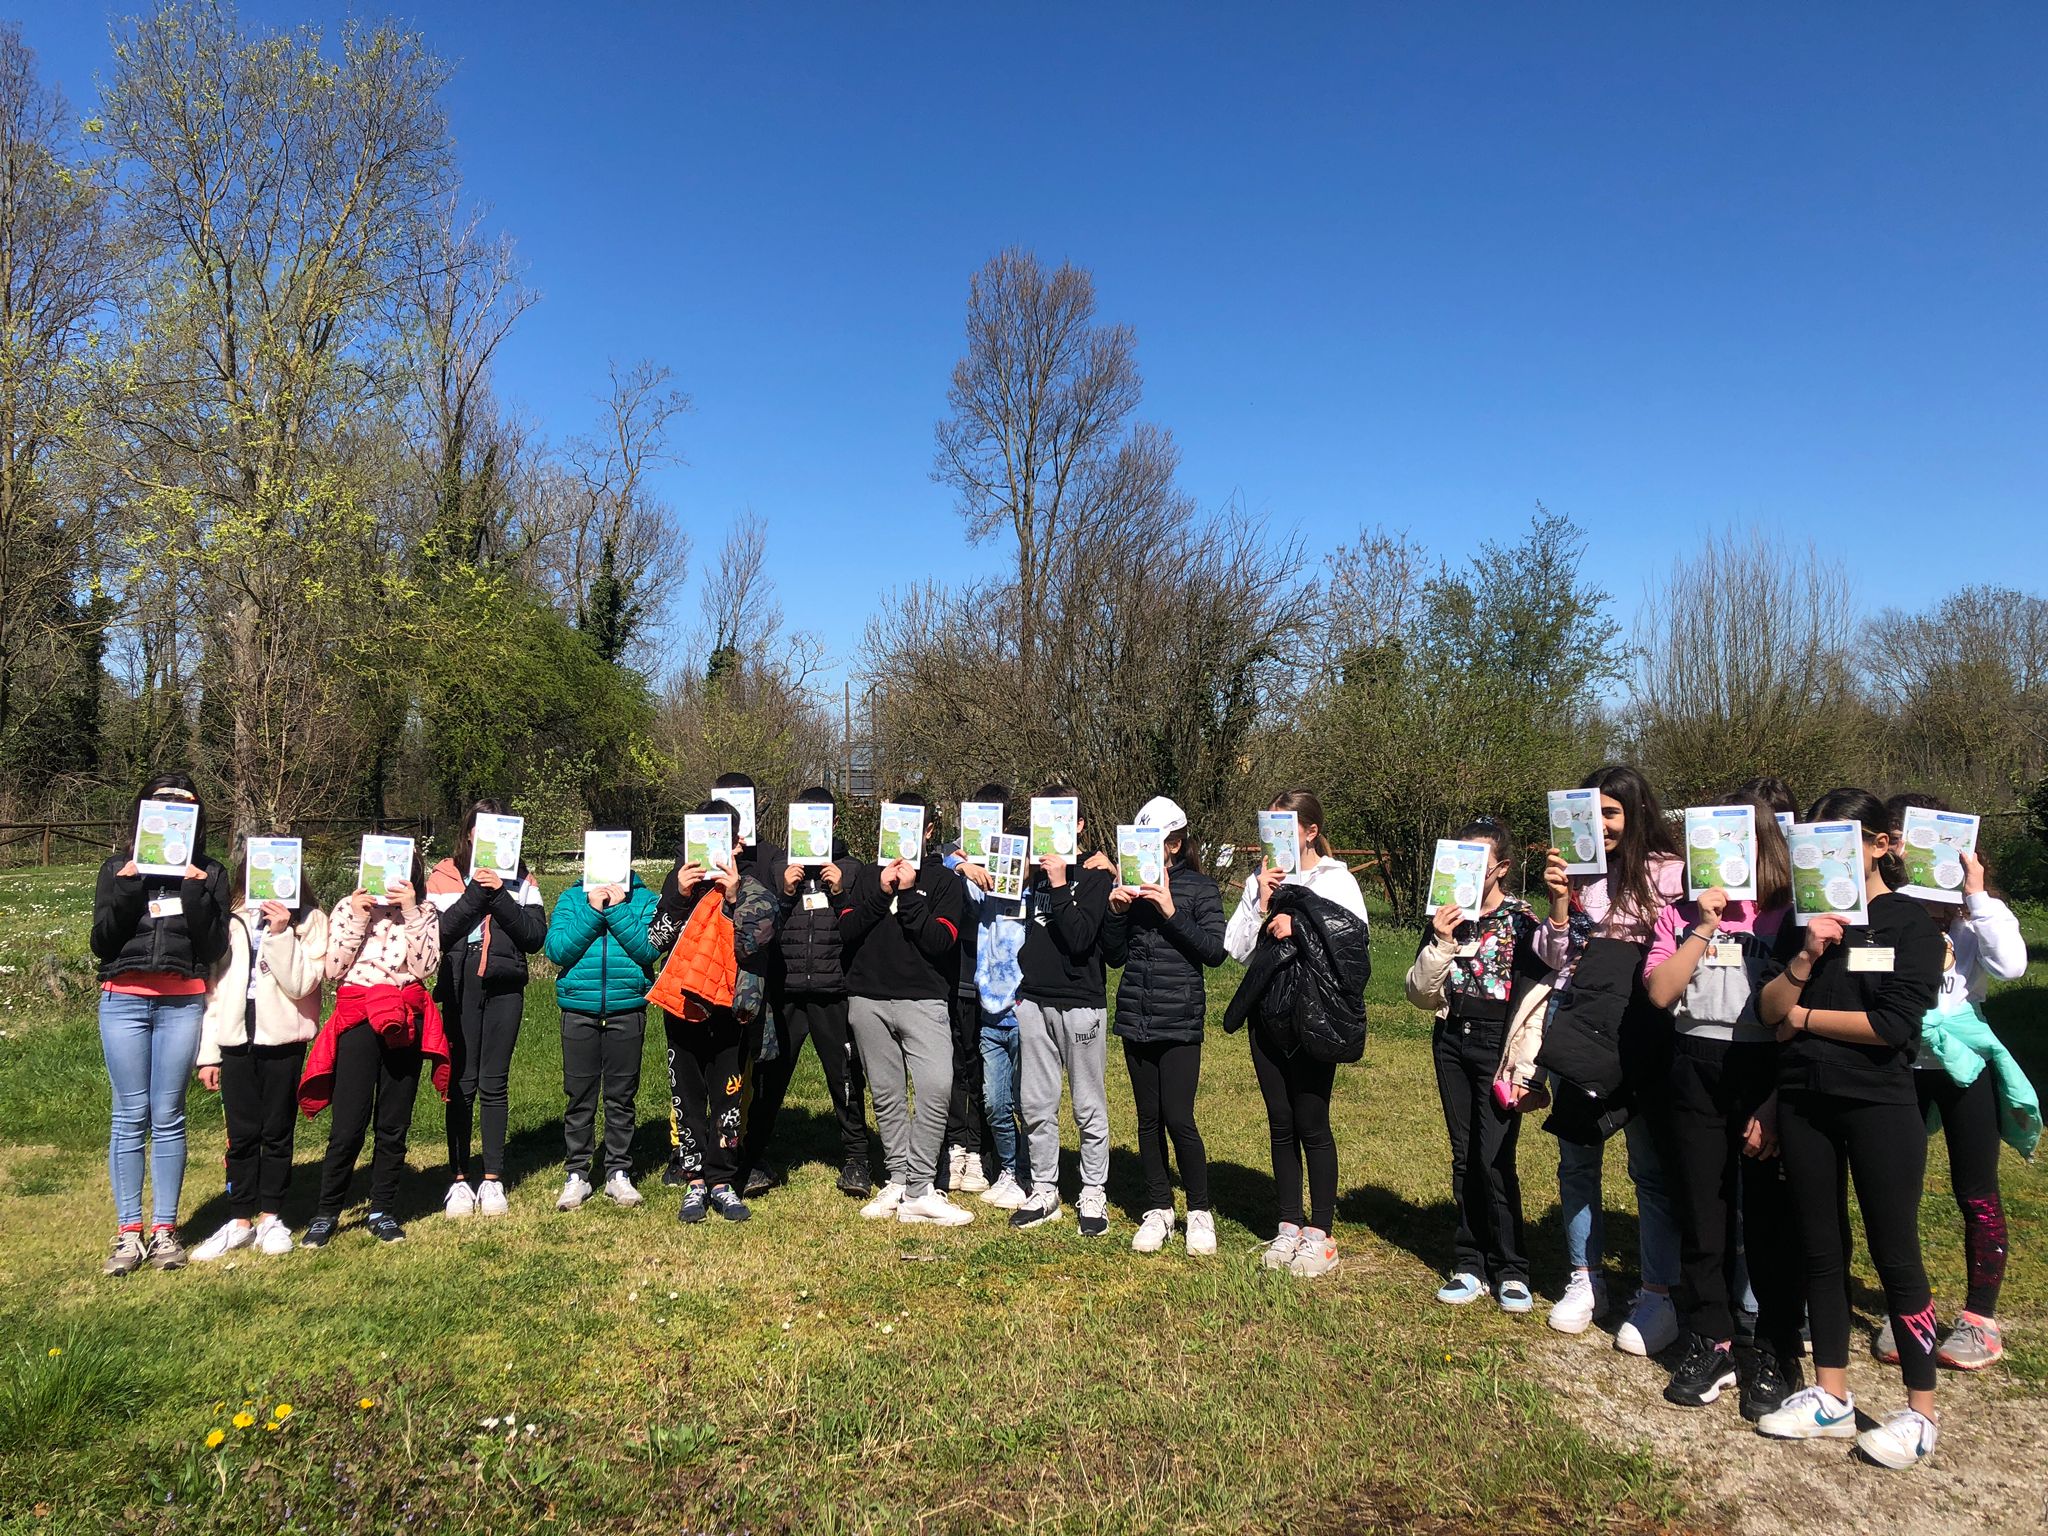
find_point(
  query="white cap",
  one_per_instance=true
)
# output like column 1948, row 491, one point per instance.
column 1162, row 813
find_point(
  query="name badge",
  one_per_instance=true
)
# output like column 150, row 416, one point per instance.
column 815, row 901
column 1870, row 959
column 1724, row 952
column 161, row 907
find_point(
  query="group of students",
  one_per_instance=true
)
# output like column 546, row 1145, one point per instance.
column 1755, row 1067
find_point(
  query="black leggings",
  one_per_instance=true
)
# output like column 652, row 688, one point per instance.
column 821, row 1020
column 1825, row 1141
column 259, row 1096
column 1485, row 1187
column 370, row 1079
column 1164, row 1076
column 1969, row 1123
column 481, row 1034
column 1296, row 1089
column 966, row 1113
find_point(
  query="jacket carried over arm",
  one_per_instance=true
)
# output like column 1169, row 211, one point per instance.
column 753, row 913
column 1308, row 989
column 188, row 937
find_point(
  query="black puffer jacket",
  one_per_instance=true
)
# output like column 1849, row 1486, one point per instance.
column 518, row 928
column 813, row 954
column 1308, row 989
column 1161, row 995
column 187, row 942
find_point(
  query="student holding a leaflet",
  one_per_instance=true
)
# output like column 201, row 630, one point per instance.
column 159, row 926
column 491, row 918
column 1847, row 1007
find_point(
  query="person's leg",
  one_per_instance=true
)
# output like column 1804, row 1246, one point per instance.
column 1701, row 1106
column 398, row 1084
column 999, row 1085
column 726, row 1079
column 622, row 1046
column 1180, row 1075
column 464, row 1025
column 1038, row 1093
column 1142, row 1061
column 964, row 1097
column 1084, row 1040
column 833, row 1040
column 924, row 1031
column 1272, row 1082
column 1579, row 1204
column 684, row 1074
column 1496, row 1209
column 241, row 1106
column 1887, row 1156
column 125, row 1042
column 582, row 1074
column 1816, row 1175
column 1454, row 1093
column 354, row 1096
column 881, row 1055
column 1310, row 1084
column 1969, row 1124
column 500, row 1037
column 770, row 1085
column 281, row 1067
column 174, row 1048
column 1656, row 1208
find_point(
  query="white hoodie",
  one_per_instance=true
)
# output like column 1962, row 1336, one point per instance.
column 289, row 971
column 1327, row 877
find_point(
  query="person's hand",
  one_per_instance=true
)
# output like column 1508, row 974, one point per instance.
column 489, row 879
column 1054, row 868
column 898, row 876
column 689, row 876
column 833, row 876
column 1121, row 897
column 194, row 872
column 977, row 874
column 727, row 877
column 209, row 1078
column 1973, row 875
column 1556, row 883
column 401, row 893
column 360, row 903
column 1820, row 933
column 1760, row 1136
column 792, row 877
column 276, row 916
column 127, row 871
column 1100, row 860
column 1270, row 880
column 1282, row 927
column 1160, row 895
column 1713, row 902
column 1444, row 922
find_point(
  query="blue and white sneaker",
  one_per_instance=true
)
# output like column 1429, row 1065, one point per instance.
column 1515, row 1296
column 1904, row 1440
column 1461, row 1290
column 1814, row 1413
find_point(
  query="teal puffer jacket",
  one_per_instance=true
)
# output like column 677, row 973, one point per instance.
column 603, row 961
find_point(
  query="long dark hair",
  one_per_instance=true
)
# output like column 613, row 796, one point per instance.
column 1847, row 804
column 1309, row 811
column 1493, row 830
column 1769, row 791
column 1631, row 887
column 465, row 839
column 1773, row 860
column 173, row 778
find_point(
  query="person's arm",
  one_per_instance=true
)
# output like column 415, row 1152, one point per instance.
column 1424, row 982
column 1553, row 940
column 753, row 910
column 1196, row 925
column 118, row 902
column 519, row 911
column 1241, row 937
column 1676, row 950
column 461, row 915
column 864, row 905
column 422, row 941
column 205, row 905
column 574, row 927
column 1077, row 909
column 627, row 921
column 2001, row 947
column 1116, row 937
column 1797, row 951
column 931, row 917
column 297, row 955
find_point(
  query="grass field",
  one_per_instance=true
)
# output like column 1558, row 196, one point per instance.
column 806, row 1371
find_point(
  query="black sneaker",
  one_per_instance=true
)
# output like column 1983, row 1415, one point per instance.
column 855, row 1180
column 1042, row 1207
column 319, row 1231
column 759, row 1182
column 1768, row 1379
column 385, row 1228
column 694, row 1209
column 728, row 1204
column 675, row 1175
column 1705, row 1370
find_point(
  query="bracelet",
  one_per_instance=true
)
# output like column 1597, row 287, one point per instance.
column 1800, row 981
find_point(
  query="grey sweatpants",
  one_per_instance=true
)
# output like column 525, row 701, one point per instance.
column 1073, row 1042
column 906, row 1049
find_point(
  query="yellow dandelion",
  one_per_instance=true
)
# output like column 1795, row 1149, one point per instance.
column 366, row 1404
column 281, row 1411
column 214, row 1438
column 273, row 1426
column 243, row 1420
column 55, row 1351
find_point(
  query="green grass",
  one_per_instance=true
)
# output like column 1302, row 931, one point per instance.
column 806, row 1371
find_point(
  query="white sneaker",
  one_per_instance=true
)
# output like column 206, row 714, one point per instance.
column 1092, row 1211
column 883, row 1206
column 1584, row 1299
column 1811, row 1413
column 964, row 1172
column 1651, row 1327
column 1315, row 1256
column 1040, row 1206
column 490, row 1199
column 459, row 1201
column 1201, row 1233
column 1281, row 1253
column 619, row 1189
column 575, row 1190
column 273, row 1237
column 1904, row 1440
column 236, row 1234
column 1152, row 1232
column 934, row 1208
column 1006, row 1194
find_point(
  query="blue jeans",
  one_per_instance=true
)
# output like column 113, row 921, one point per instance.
column 1578, row 1195
column 151, row 1045
column 1001, row 1060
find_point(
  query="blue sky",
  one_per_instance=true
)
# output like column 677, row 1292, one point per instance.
column 1665, row 269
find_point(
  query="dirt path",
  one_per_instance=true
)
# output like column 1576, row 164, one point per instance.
column 1988, row 1475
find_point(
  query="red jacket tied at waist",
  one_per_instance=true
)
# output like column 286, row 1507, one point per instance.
column 402, row 1016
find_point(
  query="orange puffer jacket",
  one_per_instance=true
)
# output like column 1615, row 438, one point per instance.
column 702, row 970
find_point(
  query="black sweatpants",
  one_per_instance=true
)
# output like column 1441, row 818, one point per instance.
column 1164, row 1077
column 802, row 1016
column 1826, row 1141
column 601, row 1055
column 1486, row 1188
column 370, row 1079
column 1717, row 1086
column 966, row 1112
column 1969, row 1123
column 483, row 1028
column 705, row 1065
column 1296, row 1089
column 259, row 1096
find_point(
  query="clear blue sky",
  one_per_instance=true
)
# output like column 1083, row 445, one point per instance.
column 1664, row 268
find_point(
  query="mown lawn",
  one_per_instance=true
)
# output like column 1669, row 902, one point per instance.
column 806, row 1371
